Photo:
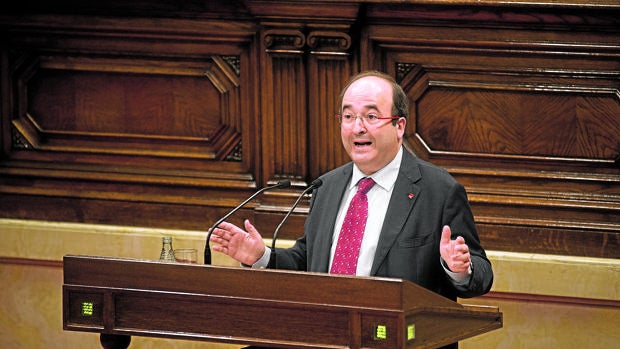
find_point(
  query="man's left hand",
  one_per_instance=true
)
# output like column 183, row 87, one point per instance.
column 455, row 253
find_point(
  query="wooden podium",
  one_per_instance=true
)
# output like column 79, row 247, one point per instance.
column 120, row 298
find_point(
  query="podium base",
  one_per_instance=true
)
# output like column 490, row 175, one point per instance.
column 114, row 341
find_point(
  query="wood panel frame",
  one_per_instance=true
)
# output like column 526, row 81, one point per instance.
column 113, row 168
column 554, row 190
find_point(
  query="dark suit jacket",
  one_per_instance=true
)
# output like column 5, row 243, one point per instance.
column 424, row 199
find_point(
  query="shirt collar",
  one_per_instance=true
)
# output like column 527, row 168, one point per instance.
column 385, row 177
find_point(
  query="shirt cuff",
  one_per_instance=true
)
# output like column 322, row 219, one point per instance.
column 263, row 261
column 458, row 278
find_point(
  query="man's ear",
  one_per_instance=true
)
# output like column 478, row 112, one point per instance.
column 401, row 124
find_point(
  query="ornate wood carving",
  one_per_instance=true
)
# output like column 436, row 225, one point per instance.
column 18, row 141
column 329, row 66
column 284, row 41
column 327, row 42
column 327, row 55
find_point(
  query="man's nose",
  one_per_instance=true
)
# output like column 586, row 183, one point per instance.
column 359, row 126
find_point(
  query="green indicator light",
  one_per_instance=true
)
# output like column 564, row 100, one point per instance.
column 87, row 309
column 410, row 332
column 380, row 332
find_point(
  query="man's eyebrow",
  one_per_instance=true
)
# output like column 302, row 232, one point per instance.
column 366, row 107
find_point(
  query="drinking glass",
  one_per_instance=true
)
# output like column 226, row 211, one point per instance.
column 185, row 255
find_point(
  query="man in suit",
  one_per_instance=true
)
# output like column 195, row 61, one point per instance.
column 418, row 224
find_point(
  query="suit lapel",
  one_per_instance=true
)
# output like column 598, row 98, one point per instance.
column 401, row 203
column 334, row 197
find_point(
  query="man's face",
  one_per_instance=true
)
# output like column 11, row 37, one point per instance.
column 371, row 147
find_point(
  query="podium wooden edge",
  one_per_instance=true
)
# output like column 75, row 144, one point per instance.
column 118, row 294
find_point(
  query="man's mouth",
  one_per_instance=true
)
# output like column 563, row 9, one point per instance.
column 362, row 144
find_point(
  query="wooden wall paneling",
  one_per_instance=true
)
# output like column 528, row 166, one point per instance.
column 305, row 56
column 127, row 111
column 330, row 64
column 212, row 9
column 526, row 118
column 306, row 48
column 283, row 106
column 283, row 131
column 168, row 113
column 5, row 128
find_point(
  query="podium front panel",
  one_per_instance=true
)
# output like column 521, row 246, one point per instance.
column 279, row 309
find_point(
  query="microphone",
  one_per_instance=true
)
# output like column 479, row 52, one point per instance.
column 314, row 185
column 281, row 184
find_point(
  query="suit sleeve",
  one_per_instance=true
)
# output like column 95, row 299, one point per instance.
column 458, row 215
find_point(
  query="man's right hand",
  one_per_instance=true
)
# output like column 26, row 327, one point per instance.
column 245, row 246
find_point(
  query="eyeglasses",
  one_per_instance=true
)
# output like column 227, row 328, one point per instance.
column 348, row 119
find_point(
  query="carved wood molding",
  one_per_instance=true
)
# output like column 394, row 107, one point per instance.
column 37, row 124
column 502, row 131
column 325, row 53
column 18, row 141
column 284, row 41
column 314, row 42
column 325, row 42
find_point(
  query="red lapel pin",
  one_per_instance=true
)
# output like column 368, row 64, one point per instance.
column 410, row 195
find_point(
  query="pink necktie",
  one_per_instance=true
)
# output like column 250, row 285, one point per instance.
column 352, row 232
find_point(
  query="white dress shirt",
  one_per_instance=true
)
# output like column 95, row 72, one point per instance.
column 378, row 199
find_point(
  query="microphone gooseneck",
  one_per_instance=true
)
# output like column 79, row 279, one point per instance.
column 314, row 185
column 207, row 254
